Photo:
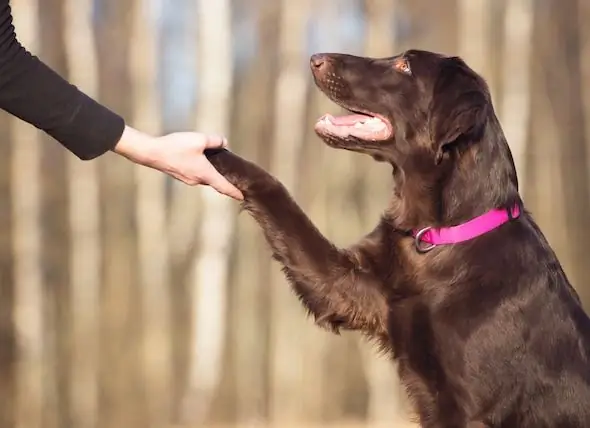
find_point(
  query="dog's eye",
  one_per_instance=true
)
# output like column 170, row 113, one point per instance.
column 402, row 65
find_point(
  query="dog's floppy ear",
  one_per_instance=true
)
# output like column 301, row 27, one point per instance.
column 459, row 106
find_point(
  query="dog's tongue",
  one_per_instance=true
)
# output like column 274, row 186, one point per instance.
column 348, row 120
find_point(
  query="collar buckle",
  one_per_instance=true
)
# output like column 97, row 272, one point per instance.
column 418, row 241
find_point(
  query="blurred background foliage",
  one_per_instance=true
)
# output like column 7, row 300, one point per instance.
column 130, row 300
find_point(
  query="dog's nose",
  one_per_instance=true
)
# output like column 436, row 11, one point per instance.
column 318, row 61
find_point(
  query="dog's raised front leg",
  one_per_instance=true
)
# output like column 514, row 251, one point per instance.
column 337, row 286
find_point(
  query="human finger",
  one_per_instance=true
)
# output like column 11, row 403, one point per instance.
column 217, row 181
column 215, row 142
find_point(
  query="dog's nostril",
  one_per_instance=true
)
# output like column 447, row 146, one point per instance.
column 317, row 61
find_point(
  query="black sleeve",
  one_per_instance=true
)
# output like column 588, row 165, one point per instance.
column 33, row 92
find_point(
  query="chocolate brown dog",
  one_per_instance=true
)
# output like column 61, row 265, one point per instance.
column 456, row 281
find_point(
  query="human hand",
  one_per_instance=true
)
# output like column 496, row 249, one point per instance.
column 180, row 155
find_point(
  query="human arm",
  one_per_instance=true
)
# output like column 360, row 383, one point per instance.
column 33, row 92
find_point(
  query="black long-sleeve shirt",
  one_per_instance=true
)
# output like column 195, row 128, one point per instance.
column 33, row 92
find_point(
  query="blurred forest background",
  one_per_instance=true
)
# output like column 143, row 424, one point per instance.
column 129, row 300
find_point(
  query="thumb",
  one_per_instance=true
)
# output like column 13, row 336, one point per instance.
column 215, row 142
column 213, row 178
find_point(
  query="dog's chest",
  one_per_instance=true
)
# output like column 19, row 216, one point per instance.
column 412, row 331
column 426, row 342
column 420, row 358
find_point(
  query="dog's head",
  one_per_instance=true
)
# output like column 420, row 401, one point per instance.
column 427, row 114
column 414, row 101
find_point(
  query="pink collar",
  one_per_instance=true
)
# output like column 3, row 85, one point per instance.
column 464, row 232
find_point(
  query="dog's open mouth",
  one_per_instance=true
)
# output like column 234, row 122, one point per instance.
column 360, row 125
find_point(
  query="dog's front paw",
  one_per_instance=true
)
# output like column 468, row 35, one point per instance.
column 248, row 177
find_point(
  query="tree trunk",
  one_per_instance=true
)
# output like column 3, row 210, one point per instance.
column 8, row 343
column 209, row 276
column 151, row 223
column 475, row 31
column 55, row 230
column 84, row 220
column 566, row 227
column 432, row 25
column 292, row 398
column 177, row 35
column 252, row 113
column 121, row 396
column 515, row 107
column 26, row 241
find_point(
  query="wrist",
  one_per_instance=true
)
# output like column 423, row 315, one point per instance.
column 136, row 146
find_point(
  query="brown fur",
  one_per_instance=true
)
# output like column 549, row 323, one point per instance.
column 486, row 333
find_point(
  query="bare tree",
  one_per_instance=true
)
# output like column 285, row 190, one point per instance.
column 151, row 223
column 28, row 277
column 184, row 207
column 561, row 168
column 84, row 230
column 209, row 279
column 8, row 348
column 515, row 108
column 424, row 24
column 289, row 392
column 474, row 37
column 121, row 403
column 8, row 354
column 253, row 116
column 55, row 233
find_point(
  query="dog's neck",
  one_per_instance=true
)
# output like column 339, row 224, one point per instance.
column 482, row 178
